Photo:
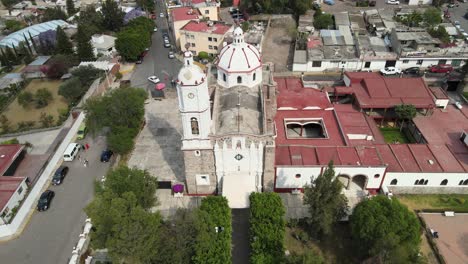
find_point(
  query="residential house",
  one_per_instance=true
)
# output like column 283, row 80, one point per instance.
column 103, row 44
column 12, row 192
column 204, row 36
column 34, row 69
column 209, row 9
column 178, row 18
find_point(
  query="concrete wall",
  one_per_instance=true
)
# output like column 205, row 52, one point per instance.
column 247, row 78
column 201, row 41
column 434, row 179
column 419, row 2
column 373, row 182
column 200, row 162
column 30, row 201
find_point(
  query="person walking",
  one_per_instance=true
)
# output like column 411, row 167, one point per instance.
column 86, row 162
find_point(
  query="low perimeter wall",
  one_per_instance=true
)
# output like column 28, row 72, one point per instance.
column 29, row 203
column 428, row 190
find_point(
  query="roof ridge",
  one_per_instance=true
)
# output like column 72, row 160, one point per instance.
column 396, row 157
column 412, row 153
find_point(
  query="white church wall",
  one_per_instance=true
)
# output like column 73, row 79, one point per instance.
column 374, row 174
column 247, row 79
column 286, row 176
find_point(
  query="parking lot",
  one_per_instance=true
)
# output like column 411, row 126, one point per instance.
column 453, row 235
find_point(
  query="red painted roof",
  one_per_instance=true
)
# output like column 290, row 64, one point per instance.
column 292, row 94
column 217, row 28
column 8, row 154
column 314, row 42
column 8, row 186
column 184, row 13
column 375, row 91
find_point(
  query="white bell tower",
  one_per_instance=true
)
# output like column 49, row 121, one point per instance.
column 194, row 105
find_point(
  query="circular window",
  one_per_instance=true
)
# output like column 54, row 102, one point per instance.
column 239, row 157
column 376, row 175
column 298, row 175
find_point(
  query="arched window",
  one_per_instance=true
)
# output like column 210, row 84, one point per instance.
column 460, row 183
column 465, row 182
column 188, row 63
column 224, row 77
column 194, row 125
column 239, row 79
column 298, row 175
column 425, row 182
column 416, row 182
column 444, row 182
column 376, row 175
column 394, row 182
column 254, row 76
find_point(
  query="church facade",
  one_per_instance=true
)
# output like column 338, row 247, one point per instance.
column 228, row 127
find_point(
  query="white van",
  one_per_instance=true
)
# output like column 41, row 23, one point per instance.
column 71, row 151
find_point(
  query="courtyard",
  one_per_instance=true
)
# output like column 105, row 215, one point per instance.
column 453, row 235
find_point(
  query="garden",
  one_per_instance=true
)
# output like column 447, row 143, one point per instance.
column 439, row 202
column 394, row 135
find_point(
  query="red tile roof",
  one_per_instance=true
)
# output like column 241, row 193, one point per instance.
column 184, row 13
column 8, row 154
column 375, row 91
column 217, row 28
column 8, row 186
column 292, row 94
column 439, row 93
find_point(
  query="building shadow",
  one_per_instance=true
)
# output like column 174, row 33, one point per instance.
column 170, row 142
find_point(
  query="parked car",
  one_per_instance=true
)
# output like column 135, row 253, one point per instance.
column 59, row 175
column 316, row 5
column 171, row 55
column 82, row 131
column 412, row 71
column 458, row 105
column 329, row 2
column 390, row 71
column 238, row 16
column 155, row 29
column 372, row 3
column 161, row 14
column 154, row 79
column 441, row 68
column 106, row 155
column 393, row 2
column 466, row 16
column 233, row 10
column 167, row 44
column 44, row 201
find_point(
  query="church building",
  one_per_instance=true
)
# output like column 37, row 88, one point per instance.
column 228, row 123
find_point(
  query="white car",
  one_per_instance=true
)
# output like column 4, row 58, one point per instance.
column 390, row 71
column 393, row 2
column 171, row 55
column 155, row 29
column 154, row 79
column 161, row 14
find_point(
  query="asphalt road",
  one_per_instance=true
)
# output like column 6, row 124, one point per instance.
column 50, row 236
column 457, row 13
column 157, row 62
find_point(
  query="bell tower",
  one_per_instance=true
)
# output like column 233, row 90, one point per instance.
column 194, row 105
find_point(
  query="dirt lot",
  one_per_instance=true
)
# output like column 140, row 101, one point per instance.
column 278, row 46
column 453, row 236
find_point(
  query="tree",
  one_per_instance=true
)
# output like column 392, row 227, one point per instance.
column 91, row 20
column 123, row 227
column 87, row 74
column 146, row 4
column 405, row 112
column 84, row 47
column 13, row 25
column 412, row 20
column 72, row 90
column 5, row 124
column 441, row 33
column 129, row 44
column 53, row 14
column 432, row 16
column 323, row 21
column 382, row 225
column 140, row 182
column 58, row 65
column 267, row 228
column 326, row 203
column 42, row 97
column 112, row 15
column 8, row 4
column 122, row 111
column 300, row 7
column 213, row 241
column 64, row 45
column 141, row 23
column 177, row 238
column 46, row 120
column 25, row 99
column 70, row 7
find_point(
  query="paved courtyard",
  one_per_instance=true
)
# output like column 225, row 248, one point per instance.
column 453, row 235
column 157, row 148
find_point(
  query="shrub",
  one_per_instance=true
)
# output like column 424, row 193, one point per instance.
column 43, row 97
column 267, row 228
column 10, row 141
column 46, row 120
column 25, row 99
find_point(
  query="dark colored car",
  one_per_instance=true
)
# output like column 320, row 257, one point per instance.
column 441, row 68
column 44, row 200
column 412, row 71
column 106, row 155
column 372, row 3
column 59, row 175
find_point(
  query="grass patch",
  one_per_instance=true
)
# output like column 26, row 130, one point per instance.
column 16, row 113
column 336, row 248
column 450, row 202
column 393, row 135
column 465, row 94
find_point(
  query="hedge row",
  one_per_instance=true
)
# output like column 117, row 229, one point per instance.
column 213, row 242
column 267, row 228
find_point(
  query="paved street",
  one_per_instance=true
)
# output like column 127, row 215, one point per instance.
column 50, row 236
column 157, row 61
column 457, row 13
